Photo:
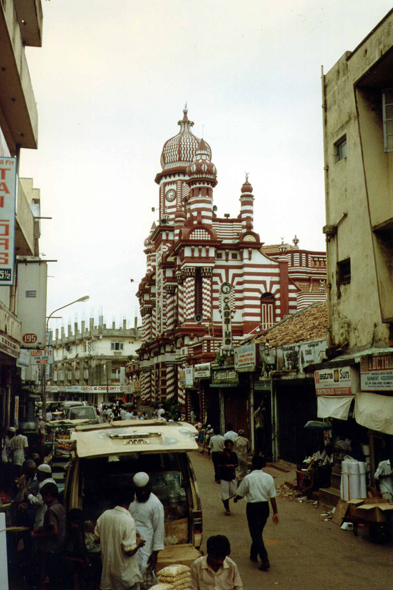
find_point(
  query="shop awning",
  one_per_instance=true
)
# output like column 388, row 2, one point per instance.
column 334, row 406
column 374, row 411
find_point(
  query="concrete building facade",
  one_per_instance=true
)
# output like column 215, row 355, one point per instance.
column 21, row 24
column 89, row 363
column 355, row 387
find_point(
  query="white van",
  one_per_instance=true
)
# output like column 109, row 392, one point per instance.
column 106, row 455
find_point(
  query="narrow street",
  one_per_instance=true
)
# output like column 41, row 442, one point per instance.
column 304, row 551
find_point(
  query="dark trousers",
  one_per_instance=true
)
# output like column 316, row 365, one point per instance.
column 216, row 469
column 257, row 515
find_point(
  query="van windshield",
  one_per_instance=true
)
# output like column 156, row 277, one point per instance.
column 169, row 478
column 82, row 413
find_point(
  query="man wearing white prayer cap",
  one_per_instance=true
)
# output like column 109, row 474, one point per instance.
column 148, row 513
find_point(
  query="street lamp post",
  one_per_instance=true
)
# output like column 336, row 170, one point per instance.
column 43, row 375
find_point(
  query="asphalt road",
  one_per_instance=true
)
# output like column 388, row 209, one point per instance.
column 305, row 551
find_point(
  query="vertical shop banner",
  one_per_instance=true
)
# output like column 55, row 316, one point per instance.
column 16, row 410
column 31, row 298
column 8, row 185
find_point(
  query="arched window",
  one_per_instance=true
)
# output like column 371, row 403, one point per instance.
column 268, row 311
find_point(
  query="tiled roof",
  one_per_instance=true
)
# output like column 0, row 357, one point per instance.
column 304, row 326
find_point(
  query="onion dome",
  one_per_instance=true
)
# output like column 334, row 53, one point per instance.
column 247, row 187
column 181, row 149
column 202, row 167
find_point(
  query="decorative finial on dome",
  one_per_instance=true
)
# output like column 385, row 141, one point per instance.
column 282, row 247
column 295, row 241
column 247, row 188
column 185, row 111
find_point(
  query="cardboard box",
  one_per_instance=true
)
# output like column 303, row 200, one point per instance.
column 357, row 502
column 376, row 512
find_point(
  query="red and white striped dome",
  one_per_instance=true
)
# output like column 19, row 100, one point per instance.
column 202, row 168
column 181, row 149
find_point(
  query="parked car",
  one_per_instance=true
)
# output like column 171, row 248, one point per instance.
column 110, row 454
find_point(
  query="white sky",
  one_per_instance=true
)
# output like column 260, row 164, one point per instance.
column 111, row 81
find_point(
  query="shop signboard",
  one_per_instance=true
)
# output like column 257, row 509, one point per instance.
column 245, row 358
column 336, row 381
column 9, row 346
column 16, row 410
column 225, row 378
column 31, row 296
column 181, row 377
column 202, row 371
column 376, row 373
column 42, row 357
column 189, row 376
column 8, row 187
column 226, row 290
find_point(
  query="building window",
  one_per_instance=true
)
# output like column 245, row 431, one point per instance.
column 340, row 149
column 387, row 109
column 116, row 345
column 268, row 311
column 344, row 272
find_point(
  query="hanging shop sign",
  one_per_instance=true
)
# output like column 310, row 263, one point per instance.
column 189, row 376
column 8, row 185
column 42, row 357
column 225, row 378
column 226, row 289
column 31, row 298
column 16, row 410
column 336, row 381
column 245, row 358
column 181, row 377
column 8, row 346
column 202, row 371
column 376, row 373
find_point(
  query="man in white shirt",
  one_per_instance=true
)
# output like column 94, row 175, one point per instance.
column 230, row 434
column 258, row 488
column 216, row 446
column 119, row 544
column 216, row 571
column 384, row 475
column 44, row 476
column 19, row 446
column 148, row 513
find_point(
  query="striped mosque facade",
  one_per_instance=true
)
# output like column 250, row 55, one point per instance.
column 190, row 254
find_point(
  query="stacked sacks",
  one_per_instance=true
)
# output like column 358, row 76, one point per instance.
column 177, row 576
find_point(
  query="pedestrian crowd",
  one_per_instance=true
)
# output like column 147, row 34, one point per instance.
column 129, row 536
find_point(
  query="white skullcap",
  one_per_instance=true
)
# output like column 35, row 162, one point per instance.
column 12, row 429
column 45, row 468
column 141, row 479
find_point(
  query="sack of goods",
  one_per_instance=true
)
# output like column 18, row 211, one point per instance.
column 177, row 577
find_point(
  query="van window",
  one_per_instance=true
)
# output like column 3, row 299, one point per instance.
column 101, row 476
column 82, row 413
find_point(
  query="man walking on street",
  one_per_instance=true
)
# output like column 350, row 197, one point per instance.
column 216, row 571
column 119, row 544
column 216, row 446
column 230, row 434
column 258, row 488
column 148, row 513
column 19, row 446
column 227, row 463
